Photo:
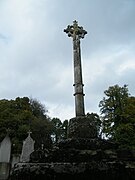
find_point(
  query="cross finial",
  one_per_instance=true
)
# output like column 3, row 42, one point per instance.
column 75, row 31
column 29, row 132
column 75, row 24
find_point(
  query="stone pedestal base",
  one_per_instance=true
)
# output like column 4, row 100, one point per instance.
column 81, row 127
column 99, row 170
column 82, row 156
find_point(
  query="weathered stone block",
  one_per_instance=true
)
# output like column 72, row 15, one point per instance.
column 81, row 127
column 94, row 170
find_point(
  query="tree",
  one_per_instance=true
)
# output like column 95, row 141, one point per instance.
column 64, row 129
column 20, row 116
column 95, row 120
column 41, row 132
column 59, row 129
column 37, row 108
column 125, row 133
column 118, row 116
column 111, row 108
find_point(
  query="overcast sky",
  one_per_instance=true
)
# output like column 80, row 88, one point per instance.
column 36, row 57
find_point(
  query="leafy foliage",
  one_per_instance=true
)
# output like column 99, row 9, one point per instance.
column 20, row 116
column 125, row 135
column 111, row 108
column 95, row 120
column 118, row 116
column 59, row 131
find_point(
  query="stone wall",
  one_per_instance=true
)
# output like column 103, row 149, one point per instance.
column 94, row 170
column 83, row 156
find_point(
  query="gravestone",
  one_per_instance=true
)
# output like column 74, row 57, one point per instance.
column 5, row 150
column 5, row 153
column 27, row 149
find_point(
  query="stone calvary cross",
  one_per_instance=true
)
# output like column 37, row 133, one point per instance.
column 77, row 32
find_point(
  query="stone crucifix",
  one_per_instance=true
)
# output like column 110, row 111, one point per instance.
column 77, row 32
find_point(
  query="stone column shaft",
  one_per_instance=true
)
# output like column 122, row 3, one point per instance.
column 78, row 82
column 77, row 32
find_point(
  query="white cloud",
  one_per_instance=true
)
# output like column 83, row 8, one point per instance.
column 36, row 55
column 129, row 65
